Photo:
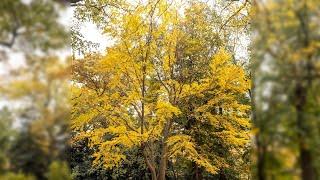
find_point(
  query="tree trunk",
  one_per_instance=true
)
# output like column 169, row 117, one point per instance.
column 308, row 172
column 153, row 174
column 306, row 161
column 261, row 150
column 164, row 152
column 197, row 172
column 151, row 166
column 222, row 176
column 163, row 163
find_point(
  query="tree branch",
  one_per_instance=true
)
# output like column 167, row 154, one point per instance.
column 234, row 14
column 10, row 43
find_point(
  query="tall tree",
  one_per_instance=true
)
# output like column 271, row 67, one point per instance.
column 130, row 97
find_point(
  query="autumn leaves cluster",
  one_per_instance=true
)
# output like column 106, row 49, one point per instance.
column 168, row 87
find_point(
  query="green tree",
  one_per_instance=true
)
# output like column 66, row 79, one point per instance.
column 34, row 29
column 26, row 156
column 286, row 52
column 31, row 25
column 44, row 117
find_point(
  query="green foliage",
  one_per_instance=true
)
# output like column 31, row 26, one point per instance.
column 33, row 28
column 82, row 165
column 16, row 176
column 6, row 137
column 34, row 24
column 59, row 171
column 27, row 156
column 285, row 69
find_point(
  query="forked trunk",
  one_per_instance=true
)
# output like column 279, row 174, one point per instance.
column 151, row 167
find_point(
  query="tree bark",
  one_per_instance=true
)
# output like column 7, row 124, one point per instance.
column 164, row 152
column 163, row 163
column 222, row 176
column 197, row 172
column 306, row 161
column 164, row 156
column 260, row 144
column 308, row 172
column 151, row 166
column 261, row 150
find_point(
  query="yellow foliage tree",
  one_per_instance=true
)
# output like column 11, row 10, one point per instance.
column 132, row 96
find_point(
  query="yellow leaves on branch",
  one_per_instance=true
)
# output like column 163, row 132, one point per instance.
column 227, row 75
column 224, row 83
column 222, row 87
column 137, row 90
column 83, row 119
column 112, row 142
column 225, row 79
column 165, row 110
column 182, row 145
